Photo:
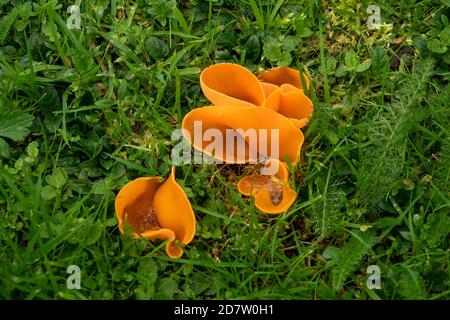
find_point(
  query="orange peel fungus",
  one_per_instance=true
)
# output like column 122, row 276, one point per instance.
column 279, row 89
column 157, row 210
column 235, row 118
column 275, row 99
column 272, row 193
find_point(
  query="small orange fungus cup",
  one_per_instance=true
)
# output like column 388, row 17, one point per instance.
column 157, row 210
column 272, row 193
column 231, row 84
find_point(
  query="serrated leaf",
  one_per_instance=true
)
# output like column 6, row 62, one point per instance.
column 349, row 257
column 15, row 124
column 351, row 60
column 100, row 187
column 272, row 52
column 33, row 150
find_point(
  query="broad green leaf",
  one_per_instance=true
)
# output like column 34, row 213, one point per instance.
column 330, row 65
column 188, row 71
column 82, row 60
column 147, row 273
column 341, row 71
column 15, row 124
column 4, row 149
column 32, row 152
column 91, row 233
column 330, row 252
column 437, row 46
column 365, row 65
column 421, row 43
column 445, row 35
column 21, row 24
column 285, row 60
column 406, row 235
column 48, row 192
column 252, row 46
column 57, row 179
column 50, row 102
column 50, row 30
column 100, row 187
column 289, row 43
column 380, row 61
column 166, row 289
column 156, row 48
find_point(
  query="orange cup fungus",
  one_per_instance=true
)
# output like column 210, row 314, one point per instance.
column 221, row 118
column 272, row 193
column 231, row 84
column 279, row 89
column 273, row 101
column 157, row 210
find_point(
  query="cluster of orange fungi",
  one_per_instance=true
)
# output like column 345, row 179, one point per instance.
column 275, row 99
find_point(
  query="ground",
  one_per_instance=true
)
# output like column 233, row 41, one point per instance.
column 83, row 111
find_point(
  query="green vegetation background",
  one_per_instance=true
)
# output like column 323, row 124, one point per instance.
column 82, row 112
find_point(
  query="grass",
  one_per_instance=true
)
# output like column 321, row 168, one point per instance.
column 82, row 112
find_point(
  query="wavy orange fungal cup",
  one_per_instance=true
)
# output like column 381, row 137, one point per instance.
column 231, row 84
column 284, row 93
column 279, row 89
column 157, row 210
column 284, row 75
column 272, row 193
column 211, row 128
